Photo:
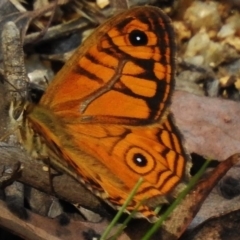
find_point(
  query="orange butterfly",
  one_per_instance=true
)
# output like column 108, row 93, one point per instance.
column 104, row 118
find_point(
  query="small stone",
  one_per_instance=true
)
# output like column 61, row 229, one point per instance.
column 182, row 32
column 201, row 14
column 225, row 31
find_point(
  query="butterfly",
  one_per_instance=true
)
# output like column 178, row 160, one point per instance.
column 105, row 118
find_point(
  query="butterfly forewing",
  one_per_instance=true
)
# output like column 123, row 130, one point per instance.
column 127, row 63
column 104, row 118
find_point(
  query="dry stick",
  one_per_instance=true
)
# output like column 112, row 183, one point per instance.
column 54, row 31
column 13, row 61
column 37, row 13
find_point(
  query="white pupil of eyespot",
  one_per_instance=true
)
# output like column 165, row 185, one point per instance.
column 139, row 160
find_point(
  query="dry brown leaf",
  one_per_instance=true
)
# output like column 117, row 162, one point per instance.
column 210, row 126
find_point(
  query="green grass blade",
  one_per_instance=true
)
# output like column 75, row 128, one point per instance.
column 124, row 224
column 124, row 206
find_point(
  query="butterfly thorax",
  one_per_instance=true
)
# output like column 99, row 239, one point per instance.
column 36, row 130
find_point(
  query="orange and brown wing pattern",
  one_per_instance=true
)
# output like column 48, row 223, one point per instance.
column 123, row 73
column 127, row 153
column 104, row 117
